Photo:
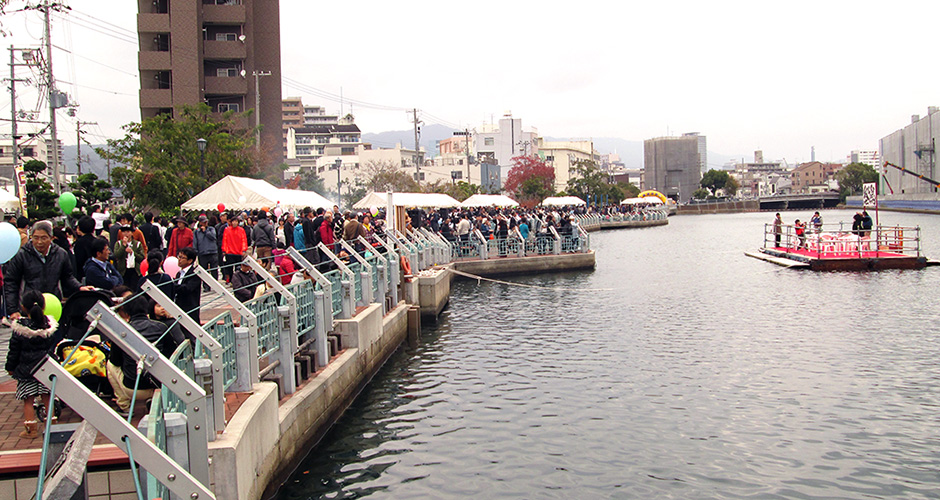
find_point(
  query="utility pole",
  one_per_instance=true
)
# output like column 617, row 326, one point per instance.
column 78, row 143
column 467, row 147
column 47, row 8
column 417, row 128
column 257, row 75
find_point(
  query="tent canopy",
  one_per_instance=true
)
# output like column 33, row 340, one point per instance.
column 8, row 201
column 651, row 200
column 561, row 201
column 489, row 200
column 424, row 200
column 243, row 193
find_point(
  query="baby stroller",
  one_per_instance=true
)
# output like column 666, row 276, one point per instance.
column 89, row 363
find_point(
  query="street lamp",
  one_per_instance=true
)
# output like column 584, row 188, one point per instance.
column 339, row 163
column 201, row 145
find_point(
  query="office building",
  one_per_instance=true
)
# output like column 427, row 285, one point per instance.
column 225, row 53
column 674, row 165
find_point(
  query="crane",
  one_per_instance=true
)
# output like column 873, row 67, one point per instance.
column 909, row 172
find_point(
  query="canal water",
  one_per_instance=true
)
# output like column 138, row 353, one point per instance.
column 679, row 368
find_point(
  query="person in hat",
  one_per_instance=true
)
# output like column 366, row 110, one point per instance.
column 182, row 237
column 205, row 242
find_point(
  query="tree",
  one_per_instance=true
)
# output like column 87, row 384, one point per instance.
column 713, row 180
column 700, row 194
column 588, row 179
column 162, row 165
column 381, row 176
column 851, row 178
column 630, row 190
column 40, row 197
column 309, row 180
column 530, row 180
column 90, row 191
column 731, row 187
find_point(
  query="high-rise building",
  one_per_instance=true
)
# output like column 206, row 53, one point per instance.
column 872, row 158
column 914, row 148
column 225, row 53
column 674, row 165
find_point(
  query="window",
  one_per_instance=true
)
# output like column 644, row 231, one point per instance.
column 27, row 151
column 549, row 158
column 228, row 106
column 348, row 151
column 226, row 37
column 488, row 141
column 226, row 72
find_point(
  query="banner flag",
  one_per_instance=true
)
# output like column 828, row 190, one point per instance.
column 869, row 194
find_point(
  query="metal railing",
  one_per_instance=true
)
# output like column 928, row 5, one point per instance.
column 828, row 242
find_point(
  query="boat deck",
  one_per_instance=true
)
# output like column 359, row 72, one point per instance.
column 860, row 260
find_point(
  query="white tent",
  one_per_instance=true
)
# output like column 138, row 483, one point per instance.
column 423, row 200
column 243, row 193
column 561, row 201
column 489, row 200
column 652, row 200
column 634, row 201
column 8, row 201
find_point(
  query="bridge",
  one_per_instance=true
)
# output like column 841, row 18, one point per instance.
column 800, row 201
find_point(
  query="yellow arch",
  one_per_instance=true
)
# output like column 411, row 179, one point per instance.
column 652, row 192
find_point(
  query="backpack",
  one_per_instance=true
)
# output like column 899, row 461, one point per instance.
column 299, row 237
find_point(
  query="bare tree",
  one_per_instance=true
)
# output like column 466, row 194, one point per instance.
column 386, row 175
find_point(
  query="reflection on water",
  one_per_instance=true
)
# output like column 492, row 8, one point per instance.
column 678, row 369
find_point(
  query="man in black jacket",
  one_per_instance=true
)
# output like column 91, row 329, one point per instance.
column 311, row 225
column 151, row 233
column 188, row 286
column 38, row 265
column 122, row 369
column 99, row 271
column 82, row 246
column 262, row 235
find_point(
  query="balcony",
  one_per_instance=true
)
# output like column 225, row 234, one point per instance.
column 223, row 14
column 156, row 98
column 227, row 85
column 153, row 23
column 214, row 49
column 152, row 60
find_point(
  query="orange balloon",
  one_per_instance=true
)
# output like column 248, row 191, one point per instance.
column 265, row 209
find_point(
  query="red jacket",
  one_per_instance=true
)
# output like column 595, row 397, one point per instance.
column 181, row 238
column 326, row 233
column 234, row 241
column 286, row 270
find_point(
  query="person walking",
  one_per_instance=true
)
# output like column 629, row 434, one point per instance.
column 129, row 254
column 234, row 246
column 182, row 237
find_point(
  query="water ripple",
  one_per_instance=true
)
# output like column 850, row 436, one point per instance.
column 704, row 375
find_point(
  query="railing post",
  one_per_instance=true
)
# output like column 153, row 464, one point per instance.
column 319, row 331
column 484, row 251
column 247, row 345
column 215, row 378
column 134, row 344
column 185, row 484
column 556, row 241
column 348, row 295
column 365, row 277
column 214, row 399
column 287, row 339
column 383, row 286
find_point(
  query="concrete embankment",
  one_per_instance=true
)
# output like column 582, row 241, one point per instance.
column 724, row 207
column 265, row 439
column 505, row 266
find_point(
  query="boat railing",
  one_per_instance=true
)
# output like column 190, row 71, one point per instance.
column 834, row 240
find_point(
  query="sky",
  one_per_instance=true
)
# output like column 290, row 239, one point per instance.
column 781, row 77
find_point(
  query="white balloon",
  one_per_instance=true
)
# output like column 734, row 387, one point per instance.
column 9, row 241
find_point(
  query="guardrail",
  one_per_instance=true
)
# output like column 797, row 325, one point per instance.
column 842, row 242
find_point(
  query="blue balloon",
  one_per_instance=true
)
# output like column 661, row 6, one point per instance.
column 9, row 241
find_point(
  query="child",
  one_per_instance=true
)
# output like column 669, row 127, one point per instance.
column 32, row 338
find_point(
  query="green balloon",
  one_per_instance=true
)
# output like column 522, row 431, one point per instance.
column 53, row 306
column 67, row 203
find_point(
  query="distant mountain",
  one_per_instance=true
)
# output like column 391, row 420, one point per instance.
column 91, row 162
column 430, row 136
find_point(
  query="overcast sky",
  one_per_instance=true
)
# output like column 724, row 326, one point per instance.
column 781, row 76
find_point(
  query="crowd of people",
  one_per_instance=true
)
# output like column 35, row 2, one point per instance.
column 112, row 256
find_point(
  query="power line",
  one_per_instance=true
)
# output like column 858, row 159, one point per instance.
column 96, row 62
